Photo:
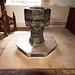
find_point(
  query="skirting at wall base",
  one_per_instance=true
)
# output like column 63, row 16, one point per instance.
column 57, row 23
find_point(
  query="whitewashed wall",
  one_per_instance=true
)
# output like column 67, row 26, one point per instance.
column 19, row 13
column 59, row 11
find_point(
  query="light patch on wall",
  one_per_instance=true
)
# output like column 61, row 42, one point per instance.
column 24, row 2
column 63, row 2
column 0, row 11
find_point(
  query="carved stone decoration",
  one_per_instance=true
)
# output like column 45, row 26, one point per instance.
column 37, row 18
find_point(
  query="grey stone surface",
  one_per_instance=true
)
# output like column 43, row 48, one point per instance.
column 37, row 18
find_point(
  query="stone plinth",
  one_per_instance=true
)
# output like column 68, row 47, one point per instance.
column 40, row 50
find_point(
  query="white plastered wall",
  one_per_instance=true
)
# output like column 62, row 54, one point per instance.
column 59, row 11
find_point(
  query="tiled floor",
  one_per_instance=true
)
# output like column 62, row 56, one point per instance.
column 62, row 57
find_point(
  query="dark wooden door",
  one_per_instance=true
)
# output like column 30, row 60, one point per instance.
column 71, row 20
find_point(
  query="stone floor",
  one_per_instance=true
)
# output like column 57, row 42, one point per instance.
column 63, row 57
column 37, row 72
